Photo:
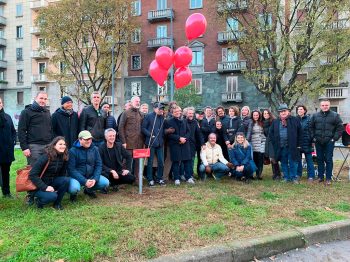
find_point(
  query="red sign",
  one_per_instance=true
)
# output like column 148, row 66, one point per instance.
column 141, row 153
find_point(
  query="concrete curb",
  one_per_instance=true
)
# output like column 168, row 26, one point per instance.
column 265, row 246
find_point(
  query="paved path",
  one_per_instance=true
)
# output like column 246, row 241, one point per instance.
column 330, row 252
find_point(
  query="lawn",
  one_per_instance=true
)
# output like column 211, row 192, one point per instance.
column 125, row 226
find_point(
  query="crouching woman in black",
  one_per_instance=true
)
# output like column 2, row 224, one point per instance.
column 54, row 181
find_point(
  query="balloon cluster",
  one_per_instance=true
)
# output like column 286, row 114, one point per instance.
column 196, row 25
column 347, row 128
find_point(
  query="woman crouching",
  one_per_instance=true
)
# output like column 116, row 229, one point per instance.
column 241, row 157
column 53, row 182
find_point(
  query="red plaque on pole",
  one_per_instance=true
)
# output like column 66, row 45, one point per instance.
column 141, row 153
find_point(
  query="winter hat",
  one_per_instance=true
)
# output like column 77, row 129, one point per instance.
column 66, row 99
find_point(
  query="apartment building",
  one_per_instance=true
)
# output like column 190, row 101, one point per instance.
column 216, row 67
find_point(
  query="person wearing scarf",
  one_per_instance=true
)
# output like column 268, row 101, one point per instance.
column 7, row 143
column 65, row 122
column 285, row 134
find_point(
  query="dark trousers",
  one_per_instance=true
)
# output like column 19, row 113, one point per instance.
column 325, row 157
column 247, row 172
column 259, row 162
column 275, row 169
column 159, row 151
column 187, row 169
column 5, row 176
column 60, row 184
column 127, row 179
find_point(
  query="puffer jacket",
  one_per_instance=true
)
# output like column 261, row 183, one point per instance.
column 258, row 138
column 326, row 126
column 56, row 168
column 306, row 145
column 84, row 163
column 247, row 125
column 212, row 155
column 130, row 129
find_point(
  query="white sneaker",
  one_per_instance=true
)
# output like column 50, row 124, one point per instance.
column 177, row 182
column 190, row 181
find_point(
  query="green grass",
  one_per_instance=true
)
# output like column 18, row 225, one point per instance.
column 125, row 226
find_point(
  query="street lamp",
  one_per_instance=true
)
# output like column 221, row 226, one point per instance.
column 113, row 72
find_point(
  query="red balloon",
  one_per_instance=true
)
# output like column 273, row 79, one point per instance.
column 182, row 77
column 158, row 73
column 196, row 24
column 347, row 128
column 165, row 57
column 182, row 57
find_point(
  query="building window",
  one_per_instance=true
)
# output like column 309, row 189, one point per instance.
column 232, row 24
column 161, row 4
column 2, row 54
column 2, row 33
column 196, row 4
column 1, row 10
column 42, row 68
column 265, row 21
column 19, row 54
column 162, row 31
column 42, row 43
column 135, row 88
column 136, row 6
column 264, row 53
column 20, row 98
column 135, row 62
column 42, row 88
column 19, row 31
column 19, row 10
column 86, row 67
column 63, row 67
column 229, row 54
column 197, row 86
column 2, row 76
column 197, row 57
column 231, row 84
column 136, row 36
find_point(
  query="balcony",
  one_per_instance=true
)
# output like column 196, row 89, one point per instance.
column 3, row 2
column 37, row 4
column 39, row 79
column 227, row 36
column 39, row 54
column 3, row 42
column 162, row 98
column 338, row 24
column 231, row 97
column 336, row 93
column 233, row 6
column 158, row 42
column 231, row 66
column 3, row 84
column 3, row 64
column 34, row 30
column 160, row 15
column 3, row 21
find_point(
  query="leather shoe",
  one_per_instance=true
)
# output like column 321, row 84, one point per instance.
column 90, row 193
column 58, row 207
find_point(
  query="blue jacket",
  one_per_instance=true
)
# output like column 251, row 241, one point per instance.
column 84, row 163
column 306, row 145
column 157, row 139
column 7, row 141
column 240, row 156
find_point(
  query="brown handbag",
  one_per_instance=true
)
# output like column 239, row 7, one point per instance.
column 23, row 183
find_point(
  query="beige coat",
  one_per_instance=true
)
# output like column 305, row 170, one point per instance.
column 212, row 155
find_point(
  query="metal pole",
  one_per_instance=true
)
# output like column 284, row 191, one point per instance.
column 113, row 76
column 172, row 48
column 140, row 174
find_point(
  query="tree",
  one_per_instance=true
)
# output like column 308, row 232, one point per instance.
column 292, row 48
column 186, row 97
column 80, row 35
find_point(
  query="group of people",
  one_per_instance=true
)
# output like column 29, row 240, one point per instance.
column 93, row 150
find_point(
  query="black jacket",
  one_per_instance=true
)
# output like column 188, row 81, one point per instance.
column 196, row 137
column 326, row 126
column 306, row 145
column 294, row 137
column 56, row 168
column 207, row 127
column 233, row 126
column 34, row 127
column 66, row 125
column 247, row 126
column 7, row 140
column 94, row 121
column 121, row 154
column 149, row 123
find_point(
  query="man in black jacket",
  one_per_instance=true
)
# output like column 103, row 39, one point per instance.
column 326, row 128
column 153, row 129
column 113, row 154
column 65, row 121
column 208, row 123
column 93, row 119
column 34, row 128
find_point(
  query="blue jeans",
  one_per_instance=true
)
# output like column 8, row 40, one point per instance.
column 60, row 184
column 325, row 156
column 160, row 168
column 74, row 185
column 289, row 166
column 187, row 169
column 310, row 166
column 219, row 169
